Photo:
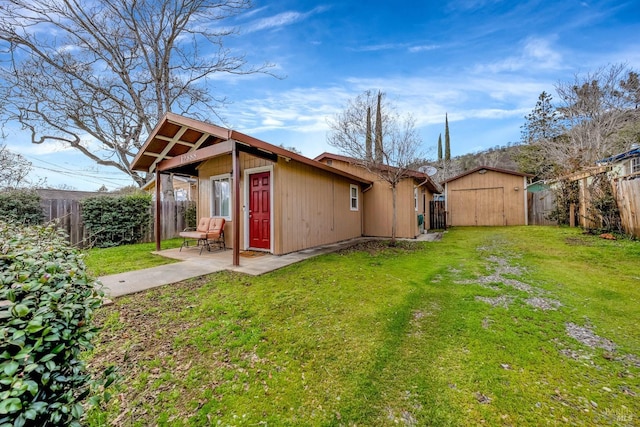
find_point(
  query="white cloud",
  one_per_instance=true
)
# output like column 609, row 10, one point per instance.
column 378, row 47
column 281, row 20
column 270, row 121
column 304, row 111
column 423, row 48
column 28, row 148
column 536, row 54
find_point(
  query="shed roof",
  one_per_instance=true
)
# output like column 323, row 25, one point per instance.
column 181, row 138
column 425, row 179
column 479, row 168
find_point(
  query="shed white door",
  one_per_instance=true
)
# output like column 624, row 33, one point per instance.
column 477, row 206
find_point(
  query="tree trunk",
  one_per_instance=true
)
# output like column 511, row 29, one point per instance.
column 395, row 215
column 166, row 183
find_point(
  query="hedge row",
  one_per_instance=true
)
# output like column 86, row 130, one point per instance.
column 21, row 206
column 114, row 221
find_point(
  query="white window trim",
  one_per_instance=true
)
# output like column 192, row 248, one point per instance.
column 635, row 165
column 415, row 198
column 211, row 204
column 245, row 208
column 351, row 198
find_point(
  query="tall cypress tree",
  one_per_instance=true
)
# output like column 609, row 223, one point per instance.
column 440, row 147
column 447, row 141
column 378, row 140
column 369, row 151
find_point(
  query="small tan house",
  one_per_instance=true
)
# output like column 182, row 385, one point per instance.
column 486, row 196
column 273, row 199
column 413, row 195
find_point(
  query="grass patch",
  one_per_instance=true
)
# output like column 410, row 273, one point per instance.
column 494, row 326
column 119, row 259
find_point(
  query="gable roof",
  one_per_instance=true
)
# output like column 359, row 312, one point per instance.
column 479, row 168
column 433, row 186
column 177, row 136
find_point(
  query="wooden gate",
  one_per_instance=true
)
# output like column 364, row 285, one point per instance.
column 437, row 215
column 541, row 204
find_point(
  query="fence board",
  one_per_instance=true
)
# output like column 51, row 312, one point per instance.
column 67, row 215
column 627, row 193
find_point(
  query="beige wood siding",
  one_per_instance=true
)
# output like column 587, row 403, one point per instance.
column 219, row 166
column 491, row 198
column 378, row 204
column 313, row 208
column 310, row 206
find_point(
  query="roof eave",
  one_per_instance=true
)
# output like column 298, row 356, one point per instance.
column 231, row 135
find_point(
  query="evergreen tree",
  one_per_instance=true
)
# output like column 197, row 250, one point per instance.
column 440, row 147
column 378, row 140
column 542, row 124
column 368, row 142
column 447, row 141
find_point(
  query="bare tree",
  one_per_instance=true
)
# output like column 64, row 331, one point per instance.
column 14, row 169
column 396, row 145
column 593, row 109
column 97, row 76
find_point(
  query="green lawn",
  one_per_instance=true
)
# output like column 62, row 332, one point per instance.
column 491, row 326
column 105, row 261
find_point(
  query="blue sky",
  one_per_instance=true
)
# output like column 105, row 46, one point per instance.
column 483, row 62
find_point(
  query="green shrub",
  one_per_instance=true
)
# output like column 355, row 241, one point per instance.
column 21, row 206
column 46, row 307
column 119, row 220
column 190, row 215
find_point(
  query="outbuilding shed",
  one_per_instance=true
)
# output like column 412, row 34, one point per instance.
column 486, row 196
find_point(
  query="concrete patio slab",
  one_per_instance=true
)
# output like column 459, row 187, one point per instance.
column 193, row 264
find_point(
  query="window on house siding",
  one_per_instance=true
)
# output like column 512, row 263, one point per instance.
column 353, row 193
column 415, row 199
column 635, row 165
column 221, row 196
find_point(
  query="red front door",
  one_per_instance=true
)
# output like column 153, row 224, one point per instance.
column 260, row 210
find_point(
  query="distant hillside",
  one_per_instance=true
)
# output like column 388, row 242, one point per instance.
column 497, row 157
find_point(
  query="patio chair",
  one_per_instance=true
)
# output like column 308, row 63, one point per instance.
column 208, row 231
column 215, row 235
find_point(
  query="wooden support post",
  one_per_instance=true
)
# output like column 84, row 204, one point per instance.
column 572, row 215
column 236, row 204
column 158, row 226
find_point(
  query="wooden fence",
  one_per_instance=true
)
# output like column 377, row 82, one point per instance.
column 627, row 193
column 540, row 205
column 437, row 215
column 67, row 214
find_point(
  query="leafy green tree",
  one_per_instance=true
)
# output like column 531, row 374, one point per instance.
column 439, row 147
